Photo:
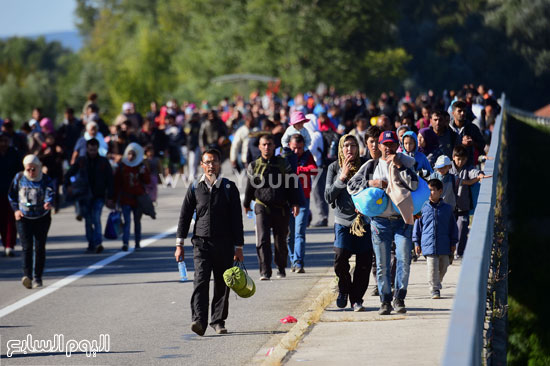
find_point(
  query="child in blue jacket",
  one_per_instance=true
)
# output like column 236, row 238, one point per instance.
column 435, row 235
column 409, row 144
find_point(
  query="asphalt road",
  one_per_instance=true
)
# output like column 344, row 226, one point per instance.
column 137, row 300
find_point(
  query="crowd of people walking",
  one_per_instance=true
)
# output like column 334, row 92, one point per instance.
column 310, row 149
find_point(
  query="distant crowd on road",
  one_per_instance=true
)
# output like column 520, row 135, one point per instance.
column 337, row 145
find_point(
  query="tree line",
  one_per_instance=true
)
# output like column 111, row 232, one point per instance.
column 159, row 49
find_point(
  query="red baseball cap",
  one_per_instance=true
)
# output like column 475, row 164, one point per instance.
column 388, row 136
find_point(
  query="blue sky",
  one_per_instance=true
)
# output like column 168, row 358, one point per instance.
column 36, row 17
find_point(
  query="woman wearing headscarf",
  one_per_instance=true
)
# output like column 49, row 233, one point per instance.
column 428, row 143
column 130, row 180
column 346, row 243
column 31, row 196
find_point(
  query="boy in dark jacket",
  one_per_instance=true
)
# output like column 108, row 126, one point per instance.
column 467, row 176
column 435, row 235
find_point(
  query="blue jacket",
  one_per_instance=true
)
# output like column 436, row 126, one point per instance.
column 436, row 231
column 29, row 196
column 421, row 159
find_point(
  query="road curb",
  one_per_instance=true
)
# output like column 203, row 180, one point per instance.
column 312, row 315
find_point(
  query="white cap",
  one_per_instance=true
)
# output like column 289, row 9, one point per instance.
column 442, row 161
column 126, row 106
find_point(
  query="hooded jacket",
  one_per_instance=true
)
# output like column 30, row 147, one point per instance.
column 316, row 145
column 435, row 231
column 131, row 177
column 422, row 162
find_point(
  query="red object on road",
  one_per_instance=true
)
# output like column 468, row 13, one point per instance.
column 288, row 319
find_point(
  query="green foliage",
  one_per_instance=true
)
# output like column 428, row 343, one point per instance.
column 526, row 24
column 29, row 70
column 502, row 43
column 528, row 336
column 160, row 48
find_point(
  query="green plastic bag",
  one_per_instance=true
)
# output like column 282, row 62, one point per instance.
column 237, row 279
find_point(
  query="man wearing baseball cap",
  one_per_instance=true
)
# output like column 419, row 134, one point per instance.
column 390, row 227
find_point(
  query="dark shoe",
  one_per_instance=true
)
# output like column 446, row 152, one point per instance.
column 37, row 283
column 414, row 257
column 399, row 305
column 137, row 247
column 27, row 282
column 220, row 329
column 78, row 217
column 385, row 308
column 342, row 300
column 125, row 248
column 99, row 249
column 375, row 292
column 436, row 294
column 300, row 270
column 281, row 273
column 320, row 223
column 197, row 328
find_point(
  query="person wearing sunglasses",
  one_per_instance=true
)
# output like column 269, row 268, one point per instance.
column 31, row 196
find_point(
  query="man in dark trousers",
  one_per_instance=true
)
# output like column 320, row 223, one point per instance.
column 89, row 182
column 274, row 193
column 217, row 240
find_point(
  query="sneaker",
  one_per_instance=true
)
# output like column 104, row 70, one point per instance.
column 375, row 292
column 27, row 282
column 78, row 217
column 37, row 283
column 219, row 328
column 197, row 328
column 342, row 300
column 99, row 249
column 385, row 308
column 414, row 257
column 281, row 273
column 458, row 257
column 9, row 252
column 399, row 305
column 320, row 223
column 300, row 270
column 292, row 269
column 436, row 294
column 125, row 248
column 358, row 307
column 264, row 278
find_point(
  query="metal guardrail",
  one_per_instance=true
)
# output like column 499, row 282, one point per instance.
column 527, row 116
column 464, row 343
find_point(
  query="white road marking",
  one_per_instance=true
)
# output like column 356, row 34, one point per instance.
column 70, row 279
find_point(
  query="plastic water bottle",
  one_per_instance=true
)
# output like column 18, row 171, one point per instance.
column 183, row 271
column 250, row 214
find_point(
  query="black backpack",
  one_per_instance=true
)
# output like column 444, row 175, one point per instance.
column 330, row 147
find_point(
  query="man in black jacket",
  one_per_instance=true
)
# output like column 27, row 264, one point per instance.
column 217, row 240
column 468, row 133
column 269, row 186
column 89, row 181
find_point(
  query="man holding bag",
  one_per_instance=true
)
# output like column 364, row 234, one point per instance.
column 393, row 173
column 217, row 240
